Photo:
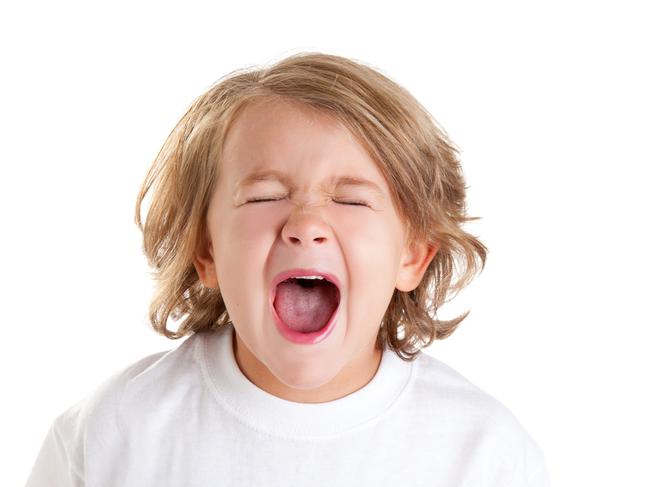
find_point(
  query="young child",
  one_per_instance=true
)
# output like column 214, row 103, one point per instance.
column 306, row 221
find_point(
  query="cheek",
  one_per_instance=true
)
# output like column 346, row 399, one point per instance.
column 250, row 224
column 245, row 240
column 371, row 248
column 360, row 226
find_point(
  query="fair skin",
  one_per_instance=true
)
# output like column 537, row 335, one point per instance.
column 249, row 243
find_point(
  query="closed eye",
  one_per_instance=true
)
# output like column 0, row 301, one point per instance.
column 353, row 203
column 262, row 200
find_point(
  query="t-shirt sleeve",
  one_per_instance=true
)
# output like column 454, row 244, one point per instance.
column 539, row 478
column 535, row 465
column 518, row 460
column 524, row 467
column 53, row 466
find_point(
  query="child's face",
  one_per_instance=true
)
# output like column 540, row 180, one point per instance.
column 307, row 227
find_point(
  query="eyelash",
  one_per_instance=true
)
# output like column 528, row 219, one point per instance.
column 352, row 203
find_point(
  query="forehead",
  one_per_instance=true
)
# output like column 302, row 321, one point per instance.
column 260, row 175
column 295, row 145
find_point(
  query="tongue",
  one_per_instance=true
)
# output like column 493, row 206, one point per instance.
column 305, row 305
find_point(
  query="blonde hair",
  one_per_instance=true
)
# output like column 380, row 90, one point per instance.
column 413, row 153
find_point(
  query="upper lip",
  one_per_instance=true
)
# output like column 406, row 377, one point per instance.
column 304, row 272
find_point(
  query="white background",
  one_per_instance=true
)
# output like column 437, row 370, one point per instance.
column 548, row 103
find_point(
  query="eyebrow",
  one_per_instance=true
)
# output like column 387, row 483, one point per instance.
column 274, row 175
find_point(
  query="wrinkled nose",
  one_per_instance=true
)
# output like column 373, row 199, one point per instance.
column 305, row 228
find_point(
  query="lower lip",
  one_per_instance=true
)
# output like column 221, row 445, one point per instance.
column 304, row 338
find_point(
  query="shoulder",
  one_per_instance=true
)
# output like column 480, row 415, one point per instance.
column 474, row 414
column 88, row 436
column 442, row 386
column 100, row 414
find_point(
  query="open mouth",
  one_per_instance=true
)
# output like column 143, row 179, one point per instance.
column 306, row 305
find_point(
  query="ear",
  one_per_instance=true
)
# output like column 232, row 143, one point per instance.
column 415, row 260
column 204, row 264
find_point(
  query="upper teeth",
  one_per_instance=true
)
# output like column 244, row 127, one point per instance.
column 309, row 277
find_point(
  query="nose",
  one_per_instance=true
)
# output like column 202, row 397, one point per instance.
column 305, row 228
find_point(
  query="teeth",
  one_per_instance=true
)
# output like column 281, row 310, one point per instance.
column 308, row 277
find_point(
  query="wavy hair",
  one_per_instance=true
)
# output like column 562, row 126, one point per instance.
column 412, row 151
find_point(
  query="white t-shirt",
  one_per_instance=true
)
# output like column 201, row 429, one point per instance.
column 188, row 417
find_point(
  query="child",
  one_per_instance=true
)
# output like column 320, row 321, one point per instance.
column 306, row 219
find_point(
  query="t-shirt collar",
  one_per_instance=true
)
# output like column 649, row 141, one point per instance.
column 276, row 416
